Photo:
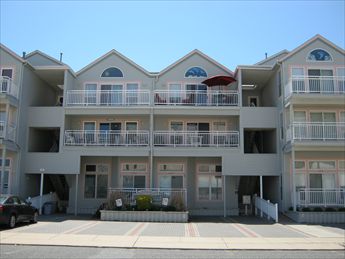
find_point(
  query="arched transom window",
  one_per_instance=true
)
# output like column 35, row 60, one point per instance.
column 319, row 55
column 112, row 72
column 195, row 72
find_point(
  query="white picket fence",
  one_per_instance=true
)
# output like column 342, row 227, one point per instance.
column 266, row 208
column 37, row 203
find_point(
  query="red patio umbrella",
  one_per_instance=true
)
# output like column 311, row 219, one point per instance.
column 218, row 80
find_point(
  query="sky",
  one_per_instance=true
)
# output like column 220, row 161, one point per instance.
column 155, row 34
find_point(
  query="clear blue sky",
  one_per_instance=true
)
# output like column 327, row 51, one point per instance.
column 155, row 34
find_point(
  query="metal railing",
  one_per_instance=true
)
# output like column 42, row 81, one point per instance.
column 10, row 133
column 107, row 98
column 196, row 98
column 321, row 197
column 196, row 138
column 266, row 208
column 8, row 87
column 128, row 195
column 317, row 131
column 106, row 138
column 315, row 85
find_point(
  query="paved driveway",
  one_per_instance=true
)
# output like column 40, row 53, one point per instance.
column 199, row 233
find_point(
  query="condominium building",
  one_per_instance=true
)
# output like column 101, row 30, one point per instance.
column 275, row 129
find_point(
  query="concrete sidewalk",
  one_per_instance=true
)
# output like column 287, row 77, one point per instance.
column 231, row 233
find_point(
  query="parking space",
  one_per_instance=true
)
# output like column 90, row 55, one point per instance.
column 232, row 227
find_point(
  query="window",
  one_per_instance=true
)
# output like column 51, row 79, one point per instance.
column 195, row 72
column 209, row 168
column 300, row 180
column 299, row 165
column 175, row 93
column 7, row 162
column 321, row 80
column 96, row 181
column 209, row 187
column 325, row 181
column 279, row 83
column 171, row 168
column 133, row 181
column 171, row 181
column 319, row 55
column 90, row 94
column 7, row 72
column 176, row 125
column 341, row 79
column 322, row 165
column 253, row 101
column 219, row 126
column 134, row 167
column 6, row 174
column 112, row 72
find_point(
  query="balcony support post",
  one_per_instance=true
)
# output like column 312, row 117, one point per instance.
column 224, row 194
column 41, row 190
column 76, row 195
column 3, row 165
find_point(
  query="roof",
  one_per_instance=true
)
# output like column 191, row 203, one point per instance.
column 272, row 57
column 308, row 42
column 113, row 52
column 196, row 51
column 12, row 53
column 37, row 52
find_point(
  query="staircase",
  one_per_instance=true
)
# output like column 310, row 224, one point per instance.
column 60, row 185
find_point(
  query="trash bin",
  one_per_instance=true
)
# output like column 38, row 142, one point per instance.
column 49, row 208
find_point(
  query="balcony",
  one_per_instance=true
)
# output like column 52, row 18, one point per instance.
column 196, row 139
column 10, row 134
column 111, row 98
column 8, row 87
column 318, row 197
column 106, row 138
column 196, row 98
column 316, row 131
column 320, row 85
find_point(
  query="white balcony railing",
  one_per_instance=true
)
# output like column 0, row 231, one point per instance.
column 128, row 195
column 10, row 134
column 326, row 85
column 106, row 138
column 107, row 98
column 321, row 197
column 316, row 131
column 8, row 87
column 196, row 138
column 196, row 98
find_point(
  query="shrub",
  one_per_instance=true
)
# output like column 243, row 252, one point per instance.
column 330, row 209
column 111, row 204
column 290, row 209
column 318, row 209
column 341, row 209
column 144, row 202
column 306, row 209
column 177, row 202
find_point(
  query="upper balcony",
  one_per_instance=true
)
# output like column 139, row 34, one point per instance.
column 316, row 87
column 112, row 98
column 316, row 132
column 8, row 134
column 8, row 87
column 196, row 139
column 196, row 98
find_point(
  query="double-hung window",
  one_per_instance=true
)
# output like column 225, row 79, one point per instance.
column 171, row 176
column 134, row 175
column 6, row 174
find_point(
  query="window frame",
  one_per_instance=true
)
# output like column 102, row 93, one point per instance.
column 310, row 60
column 112, row 76
column 124, row 172
column 95, row 174
column 210, row 174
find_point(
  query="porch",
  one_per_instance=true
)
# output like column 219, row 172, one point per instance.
column 316, row 131
column 320, row 197
column 8, row 87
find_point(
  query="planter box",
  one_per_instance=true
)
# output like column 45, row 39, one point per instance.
column 317, row 217
column 149, row 216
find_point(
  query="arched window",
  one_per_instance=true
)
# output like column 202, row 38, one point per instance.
column 112, row 72
column 319, row 55
column 195, row 72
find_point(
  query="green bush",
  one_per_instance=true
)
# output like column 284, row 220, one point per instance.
column 290, row 208
column 341, row 209
column 330, row 209
column 144, row 202
column 306, row 209
column 318, row 209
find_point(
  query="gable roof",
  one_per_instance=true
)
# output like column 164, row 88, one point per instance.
column 113, row 52
column 272, row 57
column 13, row 54
column 196, row 51
column 37, row 52
column 308, row 42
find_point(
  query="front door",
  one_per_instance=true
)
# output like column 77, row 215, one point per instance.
column 115, row 135
column 89, row 131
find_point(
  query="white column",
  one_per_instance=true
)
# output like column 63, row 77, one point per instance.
column 41, row 191
column 224, row 194
column 3, row 167
column 293, row 179
column 261, row 194
column 76, row 195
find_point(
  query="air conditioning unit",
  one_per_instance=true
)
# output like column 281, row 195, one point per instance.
column 59, row 101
